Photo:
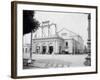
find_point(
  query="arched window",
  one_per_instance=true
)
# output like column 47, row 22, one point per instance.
column 37, row 49
column 25, row 50
column 66, row 44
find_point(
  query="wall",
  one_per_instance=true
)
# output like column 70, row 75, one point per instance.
column 5, row 41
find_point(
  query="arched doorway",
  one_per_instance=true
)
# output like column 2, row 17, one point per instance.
column 50, row 49
column 43, row 49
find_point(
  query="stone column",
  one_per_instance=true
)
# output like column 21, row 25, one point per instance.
column 55, row 47
column 47, row 47
column 41, row 48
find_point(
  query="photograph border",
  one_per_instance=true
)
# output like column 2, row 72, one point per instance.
column 14, row 37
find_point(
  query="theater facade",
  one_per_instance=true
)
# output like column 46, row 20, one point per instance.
column 60, row 42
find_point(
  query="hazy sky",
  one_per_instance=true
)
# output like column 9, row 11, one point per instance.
column 75, row 22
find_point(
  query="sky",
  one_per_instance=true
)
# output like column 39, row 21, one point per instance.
column 75, row 22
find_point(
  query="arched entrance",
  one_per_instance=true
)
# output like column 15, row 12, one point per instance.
column 50, row 49
column 43, row 49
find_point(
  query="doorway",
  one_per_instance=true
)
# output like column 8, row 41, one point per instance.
column 50, row 49
column 43, row 49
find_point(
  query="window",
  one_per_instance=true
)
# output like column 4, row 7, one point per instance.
column 66, row 44
column 37, row 49
column 25, row 50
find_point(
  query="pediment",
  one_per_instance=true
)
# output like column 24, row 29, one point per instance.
column 65, row 33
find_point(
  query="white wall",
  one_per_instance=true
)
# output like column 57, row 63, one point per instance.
column 5, row 41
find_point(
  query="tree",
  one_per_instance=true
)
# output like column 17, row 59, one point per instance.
column 29, row 22
column 30, row 25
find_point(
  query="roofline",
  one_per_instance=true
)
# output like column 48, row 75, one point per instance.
column 67, row 30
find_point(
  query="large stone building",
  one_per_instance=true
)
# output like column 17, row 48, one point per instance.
column 48, row 40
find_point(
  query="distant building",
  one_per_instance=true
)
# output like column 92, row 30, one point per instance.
column 57, row 42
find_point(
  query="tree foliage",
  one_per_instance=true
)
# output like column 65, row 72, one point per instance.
column 29, row 22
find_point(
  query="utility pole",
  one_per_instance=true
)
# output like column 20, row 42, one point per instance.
column 88, row 58
column 89, row 34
